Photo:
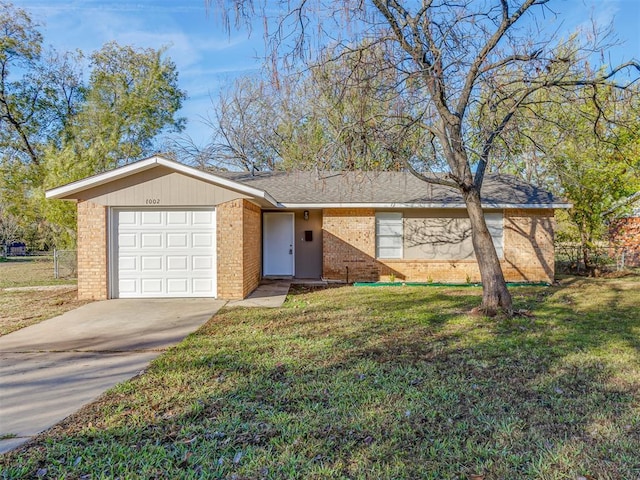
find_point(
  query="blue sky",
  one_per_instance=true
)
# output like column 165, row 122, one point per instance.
column 208, row 58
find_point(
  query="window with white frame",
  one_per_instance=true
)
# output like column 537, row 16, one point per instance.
column 389, row 235
column 431, row 236
column 495, row 225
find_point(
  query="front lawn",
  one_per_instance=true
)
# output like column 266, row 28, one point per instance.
column 29, row 272
column 29, row 293
column 376, row 383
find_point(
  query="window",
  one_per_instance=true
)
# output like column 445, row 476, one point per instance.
column 496, row 229
column 429, row 235
column 389, row 235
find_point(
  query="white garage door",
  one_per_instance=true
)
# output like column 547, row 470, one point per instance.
column 165, row 253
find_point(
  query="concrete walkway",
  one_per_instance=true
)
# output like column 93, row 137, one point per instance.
column 269, row 294
column 51, row 369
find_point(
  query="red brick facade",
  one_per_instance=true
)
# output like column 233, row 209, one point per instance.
column 625, row 236
column 529, row 252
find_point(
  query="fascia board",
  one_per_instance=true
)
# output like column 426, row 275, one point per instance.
column 423, row 205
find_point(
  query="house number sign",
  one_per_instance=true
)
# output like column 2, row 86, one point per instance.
column 153, row 201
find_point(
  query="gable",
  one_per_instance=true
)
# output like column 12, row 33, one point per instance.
column 159, row 187
column 158, row 181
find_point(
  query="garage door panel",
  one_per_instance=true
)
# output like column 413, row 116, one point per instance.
column 177, row 240
column 127, row 263
column 151, row 218
column 202, row 285
column 177, row 285
column 202, row 218
column 202, row 240
column 177, row 218
column 128, row 286
column 151, row 240
column 127, row 218
column 151, row 263
column 202, row 262
column 128, row 240
column 177, row 263
column 151, row 286
column 167, row 253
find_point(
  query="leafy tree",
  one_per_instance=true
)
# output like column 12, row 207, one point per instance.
column 131, row 97
column 20, row 97
column 38, row 94
column 587, row 148
column 54, row 128
column 582, row 143
column 10, row 229
column 457, row 57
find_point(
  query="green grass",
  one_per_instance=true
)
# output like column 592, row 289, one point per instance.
column 376, row 383
column 21, row 308
column 29, row 272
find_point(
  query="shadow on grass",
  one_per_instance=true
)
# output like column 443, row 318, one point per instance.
column 379, row 383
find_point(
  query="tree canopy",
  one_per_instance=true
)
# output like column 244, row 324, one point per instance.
column 56, row 126
column 443, row 64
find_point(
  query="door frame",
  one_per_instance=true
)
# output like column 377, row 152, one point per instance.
column 265, row 252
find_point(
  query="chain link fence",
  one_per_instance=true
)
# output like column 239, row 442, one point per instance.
column 65, row 264
column 605, row 258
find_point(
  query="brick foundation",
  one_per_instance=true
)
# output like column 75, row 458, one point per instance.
column 92, row 251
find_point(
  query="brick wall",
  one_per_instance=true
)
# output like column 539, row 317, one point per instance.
column 92, row 251
column 625, row 236
column 239, row 248
column 252, row 251
column 349, row 245
column 529, row 253
column 349, row 251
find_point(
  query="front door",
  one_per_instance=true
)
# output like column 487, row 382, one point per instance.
column 277, row 244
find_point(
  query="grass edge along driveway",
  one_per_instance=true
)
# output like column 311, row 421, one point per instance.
column 376, row 383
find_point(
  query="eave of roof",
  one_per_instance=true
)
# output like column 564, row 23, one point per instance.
column 489, row 205
column 68, row 191
column 313, row 190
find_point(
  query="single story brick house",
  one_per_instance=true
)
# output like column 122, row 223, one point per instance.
column 157, row 228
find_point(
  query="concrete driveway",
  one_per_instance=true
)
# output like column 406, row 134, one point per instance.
column 50, row 370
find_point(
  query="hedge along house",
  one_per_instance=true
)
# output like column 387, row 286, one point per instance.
column 157, row 228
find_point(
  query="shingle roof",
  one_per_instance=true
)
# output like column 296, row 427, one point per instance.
column 398, row 188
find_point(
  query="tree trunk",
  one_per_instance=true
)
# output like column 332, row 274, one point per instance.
column 495, row 295
column 586, row 251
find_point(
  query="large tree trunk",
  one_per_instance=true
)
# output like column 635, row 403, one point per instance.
column 495, row 295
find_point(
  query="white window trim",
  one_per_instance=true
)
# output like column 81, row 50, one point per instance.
column 393, row 216
column 495, row 223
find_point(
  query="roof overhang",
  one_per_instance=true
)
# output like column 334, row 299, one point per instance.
column 312, row 206
column 70, row 190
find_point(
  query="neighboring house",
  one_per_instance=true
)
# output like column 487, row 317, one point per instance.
column 624, row 235
column 157, row 228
